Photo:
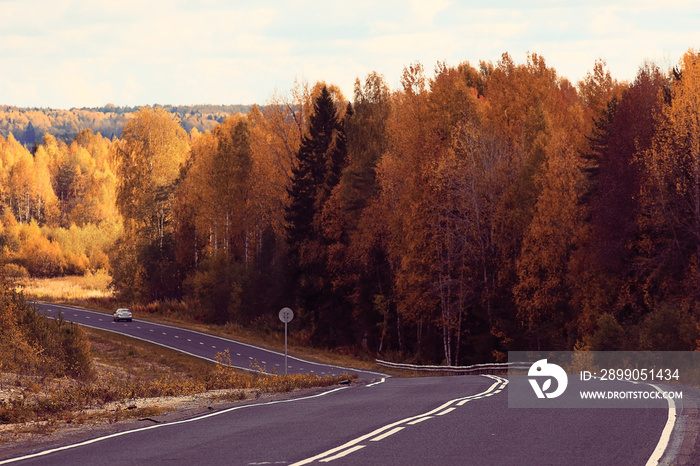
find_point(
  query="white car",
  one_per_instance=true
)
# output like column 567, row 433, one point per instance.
column 122, row 314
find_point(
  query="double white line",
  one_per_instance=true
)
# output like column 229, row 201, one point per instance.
column 390, row 429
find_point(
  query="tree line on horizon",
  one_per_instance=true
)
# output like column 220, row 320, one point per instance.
column 29, row 125
column 480, row 210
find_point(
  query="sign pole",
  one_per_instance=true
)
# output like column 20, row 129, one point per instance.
column 286, row 315
column 285, row 348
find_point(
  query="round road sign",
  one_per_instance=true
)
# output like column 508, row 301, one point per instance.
column 286, row 315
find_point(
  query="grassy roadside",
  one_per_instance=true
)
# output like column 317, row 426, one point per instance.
column 130, row 378
column 91, row 292
column 134, row 379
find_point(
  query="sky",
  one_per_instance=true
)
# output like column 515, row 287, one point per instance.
column 88, row 53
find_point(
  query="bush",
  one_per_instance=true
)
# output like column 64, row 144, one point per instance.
column 668, row 328
column 15, row 272
column 33, row 344
column 610, row 336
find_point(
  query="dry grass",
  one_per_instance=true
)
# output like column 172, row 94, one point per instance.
column 93, row 292
column 92, row 286
column 134, row 379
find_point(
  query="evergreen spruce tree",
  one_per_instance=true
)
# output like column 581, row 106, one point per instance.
column 319, row 165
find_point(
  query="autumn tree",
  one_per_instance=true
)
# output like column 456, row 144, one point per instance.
column 214, row 217
column 670, row 217
column 317, row 170
column 402, row 174
column 26, row 183
column 541, row 119
column 152, row 150
column 357, row 265
column 609, row 280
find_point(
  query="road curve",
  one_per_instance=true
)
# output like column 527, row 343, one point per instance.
column 201, row 345
column 454, row 420
column 390, row 421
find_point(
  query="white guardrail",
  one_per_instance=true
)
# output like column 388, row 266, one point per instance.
column 487, row 368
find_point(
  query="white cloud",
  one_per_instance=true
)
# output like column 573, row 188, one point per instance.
column 80, row 52
column 424, row 12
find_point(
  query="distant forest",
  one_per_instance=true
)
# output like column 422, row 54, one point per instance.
column 29, row 125
column 470, row 212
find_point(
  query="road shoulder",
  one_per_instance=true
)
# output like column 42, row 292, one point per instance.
column 25, row 443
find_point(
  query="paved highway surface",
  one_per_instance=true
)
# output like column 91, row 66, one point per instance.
column 391, row 421
column 199, row 344
column 402, row 421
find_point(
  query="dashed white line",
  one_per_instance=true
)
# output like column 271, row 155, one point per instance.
column 375, row 383
column 386, row 434
column 157, row 426
column 341, row 454
column 390, row 429
column 419, row 420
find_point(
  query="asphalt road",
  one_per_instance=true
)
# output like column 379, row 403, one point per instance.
column 199, row 344
column 402, row 421
column 388, row 421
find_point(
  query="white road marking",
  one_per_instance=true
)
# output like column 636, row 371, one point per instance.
column 486, row 393
column 447, row 411
column 226, row 341
column 346, row 448
column 344, row 453
column 376, row 383
column 386, row 434
column 268, row 462
column 417, row 421
column 658, row 452
column 157, row 426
